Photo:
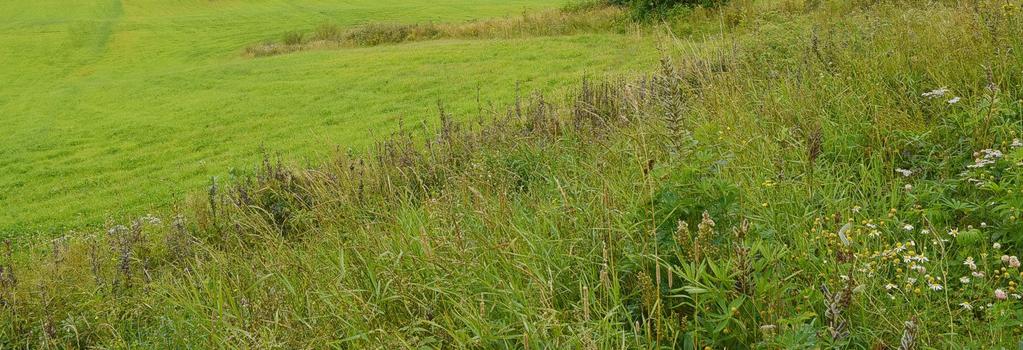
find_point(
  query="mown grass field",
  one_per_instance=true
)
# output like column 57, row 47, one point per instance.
column 110, row 108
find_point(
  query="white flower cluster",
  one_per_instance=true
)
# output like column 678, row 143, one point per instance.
column 985, row 157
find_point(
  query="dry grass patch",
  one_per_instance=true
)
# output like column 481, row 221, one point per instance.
column 569, row 21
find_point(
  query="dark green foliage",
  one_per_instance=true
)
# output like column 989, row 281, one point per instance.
column 659, row 9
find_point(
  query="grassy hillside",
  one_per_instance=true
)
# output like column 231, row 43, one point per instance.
column 114, row 108
column 792, row 175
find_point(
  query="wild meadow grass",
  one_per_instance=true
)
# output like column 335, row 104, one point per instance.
column 813, row 174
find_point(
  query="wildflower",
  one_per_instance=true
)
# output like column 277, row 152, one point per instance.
column 904, row 172
column 935, row 93
column 935, row 287
column 925, row 231
column 907, row 227
column 856, row 209
column 890, row 286
column 1013, row 262
column 1005, row 259
column 985, row 157
column 1016, row 143
column 996, row 245
column 908, row 187
column 1000, row 294
column 966, row 306
column 953, row 232
column 969, row 262
column 964, row 280
column 978, row 274
column 954, row 100
column 911, row 280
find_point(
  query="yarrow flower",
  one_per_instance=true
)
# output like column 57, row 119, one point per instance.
column 936, row 93
column 954, row 100
column 985, row 157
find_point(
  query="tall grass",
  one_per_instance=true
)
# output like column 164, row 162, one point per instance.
column 800, row 180
column 568, row 21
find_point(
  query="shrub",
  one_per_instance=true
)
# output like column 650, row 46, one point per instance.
column 653, row 9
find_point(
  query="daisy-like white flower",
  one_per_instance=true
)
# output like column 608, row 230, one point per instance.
column 954, row 100
column 969, row 262
column 907, row 227
column 964, row 280
column 935, row 287
column 904, row 172
column 966, row 306
column 953, row 232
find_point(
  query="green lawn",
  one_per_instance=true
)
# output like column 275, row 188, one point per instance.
column 112, row 109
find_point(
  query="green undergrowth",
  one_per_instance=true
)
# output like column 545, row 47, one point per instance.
column 816, row 175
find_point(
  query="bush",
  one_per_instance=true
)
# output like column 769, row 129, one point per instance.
column 651, row 9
